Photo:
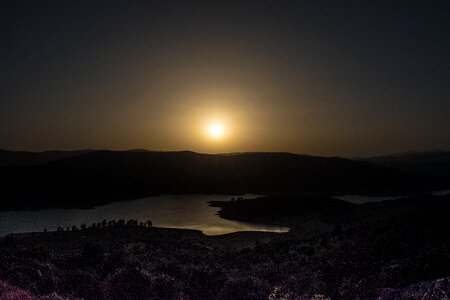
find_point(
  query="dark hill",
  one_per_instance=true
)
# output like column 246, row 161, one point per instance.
column 103, row 176
column 432, row 163
column 26, row 158
column 411, row 157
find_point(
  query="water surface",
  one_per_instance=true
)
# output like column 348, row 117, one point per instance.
column 170, row 211
column 441, row 193
column 359, row 199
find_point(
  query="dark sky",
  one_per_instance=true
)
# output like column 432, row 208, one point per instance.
column 319, row 77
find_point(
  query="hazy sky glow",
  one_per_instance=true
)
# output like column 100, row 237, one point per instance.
column 318, row 77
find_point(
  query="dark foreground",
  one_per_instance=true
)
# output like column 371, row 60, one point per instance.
column 335, row 250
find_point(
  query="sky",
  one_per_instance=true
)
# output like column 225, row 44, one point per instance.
column 344, row 78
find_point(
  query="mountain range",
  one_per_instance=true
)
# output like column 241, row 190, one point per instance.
column 87, row 178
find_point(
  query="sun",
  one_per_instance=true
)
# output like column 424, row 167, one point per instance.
column 216, row 131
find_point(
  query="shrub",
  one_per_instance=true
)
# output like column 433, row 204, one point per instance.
column 247, row 288
column 133, row 283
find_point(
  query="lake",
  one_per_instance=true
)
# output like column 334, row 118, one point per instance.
column 359, row 199
column 170, row 211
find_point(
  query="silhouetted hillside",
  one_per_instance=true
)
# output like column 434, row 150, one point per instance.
column 25, row 158
column 104, row 176
column 411, row 157
column 432, row 163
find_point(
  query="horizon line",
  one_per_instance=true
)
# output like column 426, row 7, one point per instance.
column 230, row 153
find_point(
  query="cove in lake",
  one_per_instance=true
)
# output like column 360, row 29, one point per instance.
column 169, row 211
column 360, row 199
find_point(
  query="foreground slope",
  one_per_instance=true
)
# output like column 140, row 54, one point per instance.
column 389, row 250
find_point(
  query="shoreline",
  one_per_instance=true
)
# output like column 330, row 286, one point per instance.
column 371, row 250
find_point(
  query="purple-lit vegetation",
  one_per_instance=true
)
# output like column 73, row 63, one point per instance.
column 380, row 251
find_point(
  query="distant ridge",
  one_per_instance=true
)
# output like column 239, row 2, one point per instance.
column 411, row 157
column 435, row 163
column 28, row 158
column 98, row 177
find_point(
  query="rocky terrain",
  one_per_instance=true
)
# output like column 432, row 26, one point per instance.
column 390, row 250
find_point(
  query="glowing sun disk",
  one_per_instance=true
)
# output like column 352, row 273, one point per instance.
column 216, row 131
